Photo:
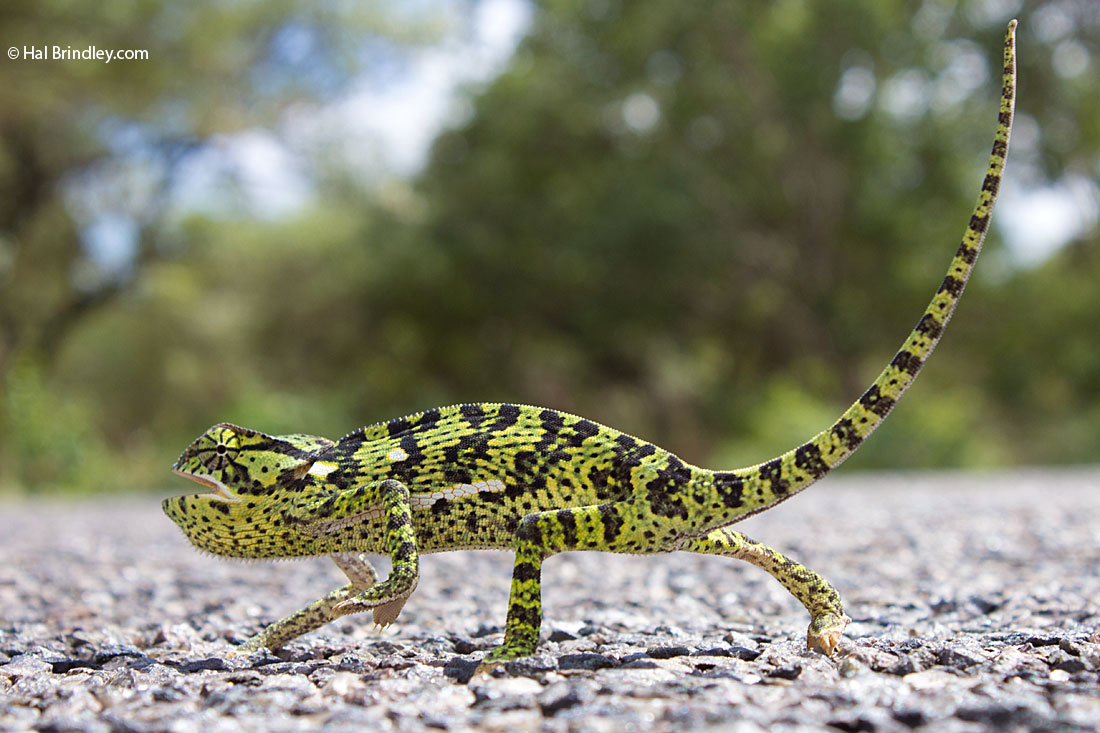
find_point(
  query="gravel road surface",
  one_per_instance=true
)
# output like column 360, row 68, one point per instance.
column 975, row 599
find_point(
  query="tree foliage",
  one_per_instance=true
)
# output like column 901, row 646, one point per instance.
column 706, row 223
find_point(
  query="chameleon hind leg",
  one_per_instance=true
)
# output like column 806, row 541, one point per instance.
column 827, row 619
column 361, row 576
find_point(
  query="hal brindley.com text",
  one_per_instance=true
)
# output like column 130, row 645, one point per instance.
column 90, row 53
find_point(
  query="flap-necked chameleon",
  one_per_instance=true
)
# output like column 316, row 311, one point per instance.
column 533, row 480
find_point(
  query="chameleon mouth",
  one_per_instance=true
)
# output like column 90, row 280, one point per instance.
column 219, row 493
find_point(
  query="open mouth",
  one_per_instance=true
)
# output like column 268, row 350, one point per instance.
column 219, row 493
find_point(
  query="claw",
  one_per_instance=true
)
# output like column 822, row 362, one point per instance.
column 348, row 607
column 825, row 633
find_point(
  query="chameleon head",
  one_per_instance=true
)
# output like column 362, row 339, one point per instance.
column 253, row 479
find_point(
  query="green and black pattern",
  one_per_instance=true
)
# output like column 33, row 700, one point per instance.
column 530, row 479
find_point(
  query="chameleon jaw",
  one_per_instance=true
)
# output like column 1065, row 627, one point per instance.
column 219, row 493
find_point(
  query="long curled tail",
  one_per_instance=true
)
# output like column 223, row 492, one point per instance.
column 769, row 483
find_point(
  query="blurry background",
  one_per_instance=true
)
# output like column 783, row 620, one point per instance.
column 708, row 224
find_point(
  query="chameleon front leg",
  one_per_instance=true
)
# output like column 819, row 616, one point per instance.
column 354, row 506
column 827, row 619
column 361, row 576
column 363, row 591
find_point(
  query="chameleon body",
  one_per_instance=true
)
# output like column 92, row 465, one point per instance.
column 533, row 480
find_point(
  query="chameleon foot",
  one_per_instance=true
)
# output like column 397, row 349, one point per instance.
column 825, row 632
column 499, row 656
column 387, row 613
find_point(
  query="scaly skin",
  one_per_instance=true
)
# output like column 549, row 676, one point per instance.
column 534, row 480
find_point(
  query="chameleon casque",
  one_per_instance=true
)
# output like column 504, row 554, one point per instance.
column 533, row 480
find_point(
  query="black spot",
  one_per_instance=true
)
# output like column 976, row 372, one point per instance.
column 491, row 497
column 552, row 423
column 967, row 253
column 455, row 474
column 845, row 431
column 582, row 430
column 729, row 486
column 537, row 482
column 528, row 530
column 621, row 473
column 1000, row 148
column 428, row 418
column 441, row 506
column 612, row 524
column 979, row 223
column 568, row 522
column 587, row 428
column 876, row 402
column 906, row 362
column 405, row 551
column 663, row 498
column 991, row 183
column 526, row 572
column 472, row 523
column 929, row 326
column 507, row 416
column 411, row 447
column 952, row 285
column 626, row 442
column 397, row 427
column 475, row 447
column 473, row 414
column 558, row 455
column 597, row 476
column 772, row 472
column 527, row 616
column 526, row 462
column 326, row 509
column 808, row 458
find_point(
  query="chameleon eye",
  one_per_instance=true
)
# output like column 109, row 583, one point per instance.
column 221, row 450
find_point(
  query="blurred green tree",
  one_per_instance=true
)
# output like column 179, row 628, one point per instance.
column 710, row 222
column 92, row 154
column 706, row 223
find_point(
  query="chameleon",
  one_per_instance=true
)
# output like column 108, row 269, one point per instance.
column 533, row 480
